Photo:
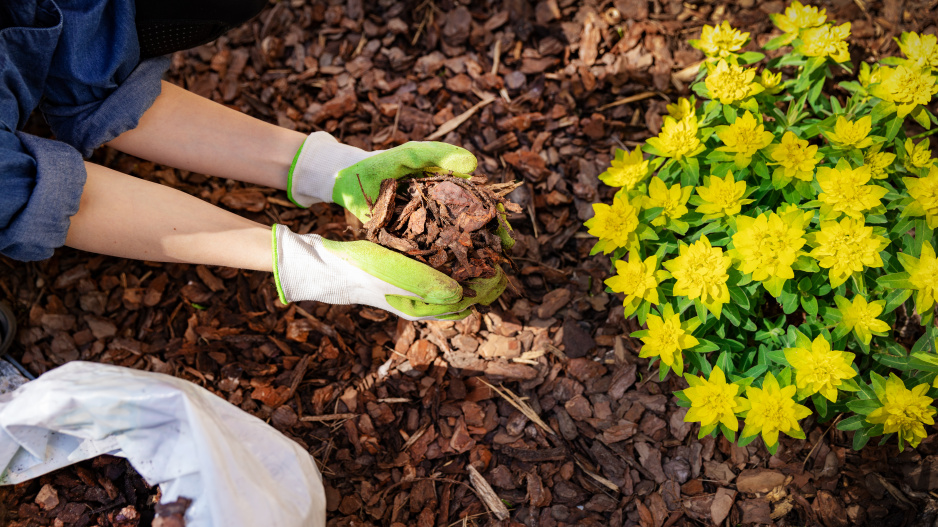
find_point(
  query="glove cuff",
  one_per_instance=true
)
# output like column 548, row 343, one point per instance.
column 301, row 269
column 316, row 166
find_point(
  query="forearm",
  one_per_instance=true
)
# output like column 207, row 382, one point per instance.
column 124, row 216
column 190, row 132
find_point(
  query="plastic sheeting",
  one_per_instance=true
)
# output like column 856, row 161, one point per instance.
column 238, row 470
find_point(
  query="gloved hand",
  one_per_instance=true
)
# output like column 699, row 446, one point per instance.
column 325, row 170
column 310, row 267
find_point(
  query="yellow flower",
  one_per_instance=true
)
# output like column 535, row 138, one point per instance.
column 745, row 137
column 720, row 41
column 845, row 248
column 678, row 138
column 868, row 75
column 923, row 275
column 851, row 134
column 798, row 16
column 925, row 193
column 700, row 272
column 681, row 109
column 860, row 317
column 820, row 369
column 905, row 86
column 795, row 158
column 667, row 337
column 919, row 155
column 770, row 81
column 637, row 279
column 627, row 170
column 713, row 401
column 773, row 410
column 921, row 50
column 844, row 190
column 722, row 197
column 730, row 83
column 768, row 245
column 673, row 200
column 878, row 163
column 903, row 411
column 614, row 225
column 826, row 41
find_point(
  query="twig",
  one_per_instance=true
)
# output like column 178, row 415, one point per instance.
column 331, row 417
column 605, row 482
column 803, row 465
column 487, row 495
column 522, row 407
column 371, row 204
column 497, row 55
column 454, row 123
column 625, row 100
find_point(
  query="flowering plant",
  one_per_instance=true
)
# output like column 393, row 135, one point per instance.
column 772, row 236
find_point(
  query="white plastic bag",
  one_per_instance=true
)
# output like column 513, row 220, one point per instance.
column 238, row 470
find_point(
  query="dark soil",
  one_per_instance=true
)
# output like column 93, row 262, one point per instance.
column 544, row 395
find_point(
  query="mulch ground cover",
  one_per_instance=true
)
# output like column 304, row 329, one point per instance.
column 536, row 413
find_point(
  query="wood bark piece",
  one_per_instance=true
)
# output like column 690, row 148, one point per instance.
column 486, row 494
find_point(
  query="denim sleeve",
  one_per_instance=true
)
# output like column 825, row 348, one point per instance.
column 97, row 88
column 42, row 181
column 89, row 125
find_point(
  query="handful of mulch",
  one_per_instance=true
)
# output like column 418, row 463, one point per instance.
column 455, row 225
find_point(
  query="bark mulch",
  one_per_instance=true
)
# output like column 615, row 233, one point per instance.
column 537, row 413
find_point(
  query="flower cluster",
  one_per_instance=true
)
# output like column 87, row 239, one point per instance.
column 768, row 251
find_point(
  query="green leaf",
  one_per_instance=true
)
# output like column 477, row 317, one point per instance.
column 743, row 441
column 701, row 310
column 892, row 361
column 729, row 113
column 750, row 57
column 740, row 298
column 895, row 281
column 895, row 299
column 756, row 371
column 731, row 314
column 924, row 343
column 854, row 422
column 820, row 404
column 809, row 303
column 788, row 299
column 863, row 406
column 725, row 363
column 860, row 439
column 893, row 128
column 690, row 175
column 921, row 117
column 777, row 356
column 704, row 346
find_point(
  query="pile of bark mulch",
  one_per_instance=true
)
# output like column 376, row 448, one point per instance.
column 447, row 222
column 540, row 405
column 105, row 491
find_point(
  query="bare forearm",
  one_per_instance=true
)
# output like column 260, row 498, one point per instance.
column 184, row 130
column 124, row 216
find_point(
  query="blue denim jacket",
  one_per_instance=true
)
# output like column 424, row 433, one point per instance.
column 78, row 61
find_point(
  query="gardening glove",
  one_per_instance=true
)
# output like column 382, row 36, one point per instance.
column 325, row 170
column 310, row 267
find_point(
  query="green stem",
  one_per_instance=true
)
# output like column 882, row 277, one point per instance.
column 933, row 131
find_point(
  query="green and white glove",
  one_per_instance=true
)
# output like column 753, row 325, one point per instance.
column 310, row 267
column 325, row 170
